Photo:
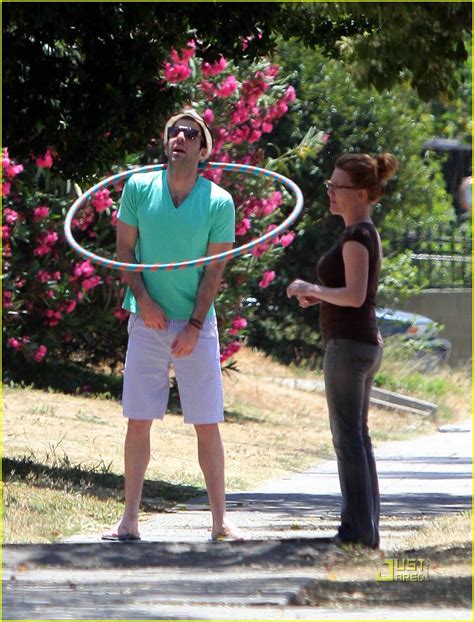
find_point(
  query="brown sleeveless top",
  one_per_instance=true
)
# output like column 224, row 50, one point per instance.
column 359, row 324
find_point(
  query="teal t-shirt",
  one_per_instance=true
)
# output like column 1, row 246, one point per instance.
column 168, row 234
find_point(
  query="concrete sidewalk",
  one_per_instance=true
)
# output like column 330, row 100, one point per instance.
column 420, row 478
column 176, row 573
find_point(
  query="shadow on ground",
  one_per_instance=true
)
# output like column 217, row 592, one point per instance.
column 307, row 505
column 225, row 566
column 94, row 482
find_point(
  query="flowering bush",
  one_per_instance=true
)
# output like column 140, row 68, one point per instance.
column 242, row 104
column 55, row 303
column 47, row 288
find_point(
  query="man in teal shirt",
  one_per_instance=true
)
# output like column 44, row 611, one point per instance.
column 170, row 216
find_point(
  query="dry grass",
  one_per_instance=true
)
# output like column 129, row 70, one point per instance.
column 33, row 513
column 454, row 530
column 269, row 430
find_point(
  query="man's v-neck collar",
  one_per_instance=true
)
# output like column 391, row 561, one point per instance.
column 169, row 196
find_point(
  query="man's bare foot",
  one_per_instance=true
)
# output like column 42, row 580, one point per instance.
column 229, row 532
column 123, row 532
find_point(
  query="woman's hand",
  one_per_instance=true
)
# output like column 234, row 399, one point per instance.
column 308, row 301
column 300, row 288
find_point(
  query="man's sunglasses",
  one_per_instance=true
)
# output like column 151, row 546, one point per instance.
column 190, row 133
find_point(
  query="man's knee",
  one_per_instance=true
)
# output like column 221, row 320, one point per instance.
column 138, row 427
column 207, row 431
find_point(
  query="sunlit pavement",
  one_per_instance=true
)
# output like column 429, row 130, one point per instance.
column 175, row 572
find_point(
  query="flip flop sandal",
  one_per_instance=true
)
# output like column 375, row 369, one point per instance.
column 123, row 537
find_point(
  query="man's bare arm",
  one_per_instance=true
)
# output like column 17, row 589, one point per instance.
column 211, row 280
column 151, row 312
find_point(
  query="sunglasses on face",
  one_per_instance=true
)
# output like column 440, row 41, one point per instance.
column 333, row 187
column 190, row 133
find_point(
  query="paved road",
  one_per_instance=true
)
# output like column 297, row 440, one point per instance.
column 176, row 573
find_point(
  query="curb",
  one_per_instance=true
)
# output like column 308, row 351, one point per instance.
column 379, row 397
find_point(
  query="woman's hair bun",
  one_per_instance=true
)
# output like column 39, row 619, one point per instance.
column 387, row 164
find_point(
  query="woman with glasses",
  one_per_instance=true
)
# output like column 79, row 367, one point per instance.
column 349, row 273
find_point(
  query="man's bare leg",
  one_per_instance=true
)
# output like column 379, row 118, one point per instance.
column 211, row 461
column 137, row 457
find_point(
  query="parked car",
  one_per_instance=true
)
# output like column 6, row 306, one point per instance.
column 431, row 349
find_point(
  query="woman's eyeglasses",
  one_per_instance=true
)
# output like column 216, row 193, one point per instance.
column 190, row 133
column 330, row 186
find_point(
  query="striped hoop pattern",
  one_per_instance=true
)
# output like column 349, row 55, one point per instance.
column 195, row 263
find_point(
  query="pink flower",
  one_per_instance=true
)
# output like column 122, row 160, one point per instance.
column 7, row 299
column 189, row 51
column 6, row 187
column 83, row 269
column 46, row 242
column 277, row 197
column 268, row 277
column 213, row 69
column 40, row 353
column 254, row 136
column 46, row 161
column 227, row 87
column 15, row 344
column 259, row 250
column 14, row 170
column 242, row 227
column 207, row 87
column 273, row 70
column 10, row 216
column 121, row 314
column 290, row 94
column 267, row 127
column 239, row 323
column 230, row 350
column 101, row 200
column 208, row 116
column 324, row 138
column 40, row 212
column 91, row 282
column 5, row 157
column 287, row 239
column 70, row 306
column 52, row 317
column 241, row 112
column 43, row 276
column 5, row 232
column 240, row 135
column 9, row 169
column 177, row 73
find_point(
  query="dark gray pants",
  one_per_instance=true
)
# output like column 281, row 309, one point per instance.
column 349, row 370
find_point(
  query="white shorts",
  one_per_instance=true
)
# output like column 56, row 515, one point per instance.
column 146, row 375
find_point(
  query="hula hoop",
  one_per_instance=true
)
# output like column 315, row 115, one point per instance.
column 194, row 263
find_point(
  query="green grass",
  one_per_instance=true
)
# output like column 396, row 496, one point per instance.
column 69, row 378
column 401, row 373
column 35, row 512
column 44, row 503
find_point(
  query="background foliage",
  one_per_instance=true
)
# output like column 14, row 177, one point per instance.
column 87, row 87
column 86, row 78
column 360, row 120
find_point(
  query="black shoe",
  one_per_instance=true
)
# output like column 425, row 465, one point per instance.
column 341, row 542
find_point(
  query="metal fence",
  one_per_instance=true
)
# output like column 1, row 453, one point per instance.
column 442, row 256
